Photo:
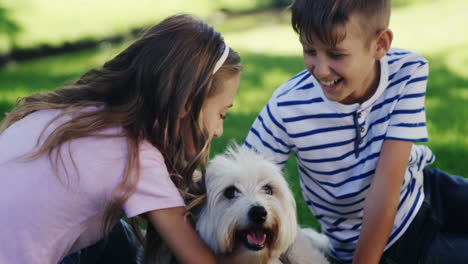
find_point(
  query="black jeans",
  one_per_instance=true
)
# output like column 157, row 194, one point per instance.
column 119, row 247
column 439, row 232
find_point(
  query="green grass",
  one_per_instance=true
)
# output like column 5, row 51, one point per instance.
column 271, row 54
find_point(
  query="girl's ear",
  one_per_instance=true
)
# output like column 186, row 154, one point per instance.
column 384, row 42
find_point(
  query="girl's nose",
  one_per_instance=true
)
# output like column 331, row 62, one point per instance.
column 219, row 131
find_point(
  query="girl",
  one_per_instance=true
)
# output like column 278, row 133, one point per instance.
column 124, row 139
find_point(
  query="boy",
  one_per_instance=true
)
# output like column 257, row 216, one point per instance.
column 351, row 119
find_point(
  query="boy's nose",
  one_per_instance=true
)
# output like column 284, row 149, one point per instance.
column 321, row 69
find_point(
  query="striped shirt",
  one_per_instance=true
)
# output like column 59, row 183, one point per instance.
column 337, row 146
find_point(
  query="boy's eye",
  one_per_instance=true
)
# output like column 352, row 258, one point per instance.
column 310, row 52
column 336, row 55
column 231, row 192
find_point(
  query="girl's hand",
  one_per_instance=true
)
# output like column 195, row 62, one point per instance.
column 179, row 235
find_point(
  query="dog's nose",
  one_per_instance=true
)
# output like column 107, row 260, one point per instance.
column 258, row 214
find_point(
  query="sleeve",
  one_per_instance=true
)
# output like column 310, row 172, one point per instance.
column 408, row 119
column 269, row 136
column 155, row 189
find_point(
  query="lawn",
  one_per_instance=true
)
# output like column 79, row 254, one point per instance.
column 271, row 54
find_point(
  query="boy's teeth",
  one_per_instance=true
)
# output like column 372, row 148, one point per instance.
column 330, row 83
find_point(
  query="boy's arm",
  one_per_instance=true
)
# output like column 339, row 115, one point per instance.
column 268, row 134
column 382, row 201
column 179, row 235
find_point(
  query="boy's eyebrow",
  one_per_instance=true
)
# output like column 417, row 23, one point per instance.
column 338, row 49
column 333, row 49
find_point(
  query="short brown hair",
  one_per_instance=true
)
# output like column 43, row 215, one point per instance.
column 321, row 18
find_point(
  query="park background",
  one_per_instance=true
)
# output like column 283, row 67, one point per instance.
column 45, row 44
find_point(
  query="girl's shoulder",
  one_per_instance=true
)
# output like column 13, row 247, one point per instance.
column 150, row 156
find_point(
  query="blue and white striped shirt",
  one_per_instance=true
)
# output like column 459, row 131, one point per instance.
column 337, row 146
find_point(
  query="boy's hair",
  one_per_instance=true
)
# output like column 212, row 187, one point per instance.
column 321, row 18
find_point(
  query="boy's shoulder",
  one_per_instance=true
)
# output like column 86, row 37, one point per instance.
column 402, row 64
column 296, row 87
column 398, row 57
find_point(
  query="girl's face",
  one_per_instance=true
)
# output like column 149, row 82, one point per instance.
column 214, row 110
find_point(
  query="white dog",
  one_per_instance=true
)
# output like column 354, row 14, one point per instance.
column 250, row 214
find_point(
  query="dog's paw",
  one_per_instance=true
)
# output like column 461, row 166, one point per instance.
column 310, row 246
column 318, row 240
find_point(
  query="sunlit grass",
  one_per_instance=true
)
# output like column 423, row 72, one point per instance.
column 54, row 22
column 457, row 60
column 267, row 32
column 431, row 27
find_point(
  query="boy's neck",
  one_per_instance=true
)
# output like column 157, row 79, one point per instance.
column 373, row 85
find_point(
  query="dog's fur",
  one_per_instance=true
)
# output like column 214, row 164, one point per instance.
column 247, row 196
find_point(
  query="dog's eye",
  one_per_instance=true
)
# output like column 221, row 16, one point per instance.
column 231, row 192
column 268, row 190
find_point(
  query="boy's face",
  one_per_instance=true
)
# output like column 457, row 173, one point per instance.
column 347, row 73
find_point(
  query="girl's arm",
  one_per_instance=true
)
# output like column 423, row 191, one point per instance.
column 382, row 201
column 179, row 235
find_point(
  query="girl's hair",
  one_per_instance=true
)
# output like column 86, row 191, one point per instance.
column 165, row 75
column 320, row 18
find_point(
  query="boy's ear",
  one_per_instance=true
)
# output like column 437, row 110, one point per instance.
column 384, row 41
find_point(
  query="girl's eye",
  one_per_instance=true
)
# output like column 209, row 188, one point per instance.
column 222, row 116
column 231, row 192
column 268, row 190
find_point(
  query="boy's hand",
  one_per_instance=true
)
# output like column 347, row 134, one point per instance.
column 382, row 201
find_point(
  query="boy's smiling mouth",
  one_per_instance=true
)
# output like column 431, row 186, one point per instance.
column 330, row 85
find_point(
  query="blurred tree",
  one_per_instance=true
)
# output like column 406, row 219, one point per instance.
column 8, row 27
column 280, row 3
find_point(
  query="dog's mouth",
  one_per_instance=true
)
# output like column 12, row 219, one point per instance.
column 254, row 239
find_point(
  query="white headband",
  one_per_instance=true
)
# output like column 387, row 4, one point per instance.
column 222, row 59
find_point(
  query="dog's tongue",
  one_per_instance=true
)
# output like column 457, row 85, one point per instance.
column 256, row 237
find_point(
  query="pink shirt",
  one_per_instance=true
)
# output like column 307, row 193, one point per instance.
column 42, row 220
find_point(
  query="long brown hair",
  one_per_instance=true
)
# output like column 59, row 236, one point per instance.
column 145, row 89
